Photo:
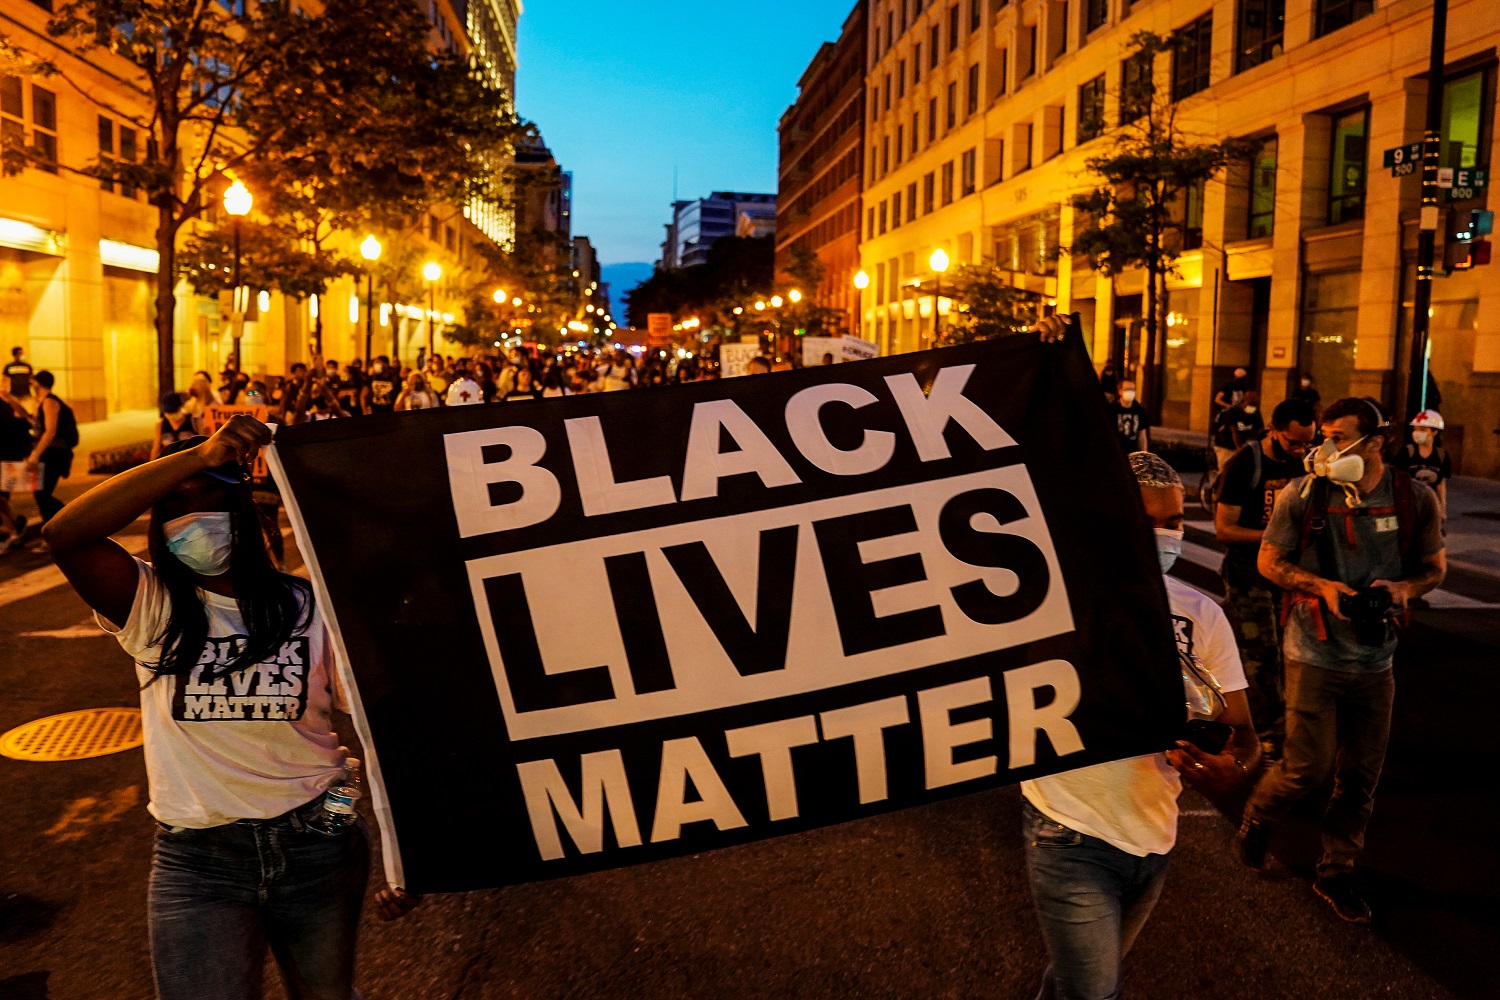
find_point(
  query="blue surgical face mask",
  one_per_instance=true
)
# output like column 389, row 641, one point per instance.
column 1168, row 546
column 202, row 542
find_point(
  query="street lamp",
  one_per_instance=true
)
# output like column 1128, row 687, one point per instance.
column 795, row 296
column 432, row 272
column 939, row 264
column 500, row 296
column 861, row 282
column 776, row 301
column 237, row 202
column 370, row 251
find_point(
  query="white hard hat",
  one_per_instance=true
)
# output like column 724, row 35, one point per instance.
column 464, row 392
column 1428, row 418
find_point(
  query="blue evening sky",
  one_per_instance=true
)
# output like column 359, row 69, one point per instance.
column 623, row 92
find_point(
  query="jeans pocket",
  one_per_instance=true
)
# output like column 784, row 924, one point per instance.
column 1047, row 833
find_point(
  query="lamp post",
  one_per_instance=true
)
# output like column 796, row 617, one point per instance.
column 939, row 263
column 432, row 272
column 861, row 282
column 370, row 251
column 237, row 202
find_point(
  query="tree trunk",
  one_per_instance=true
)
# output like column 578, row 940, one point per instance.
column 1154, row 389
column 166, row 301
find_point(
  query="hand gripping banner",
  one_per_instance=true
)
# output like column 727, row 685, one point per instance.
column 592, row 631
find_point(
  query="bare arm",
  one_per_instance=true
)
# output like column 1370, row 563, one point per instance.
column 1428, row 578
column 102, row 572
column 49, row 429
column 156, row 443
column 1227, row 526
column 1274, row 566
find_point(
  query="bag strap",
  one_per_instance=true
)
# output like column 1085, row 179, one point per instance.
column 1404, row 490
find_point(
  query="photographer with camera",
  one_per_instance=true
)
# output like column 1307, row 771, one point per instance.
column 1350, row 544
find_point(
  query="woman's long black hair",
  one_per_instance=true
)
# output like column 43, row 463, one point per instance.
column 274, row 605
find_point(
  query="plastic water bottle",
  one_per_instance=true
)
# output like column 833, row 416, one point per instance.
column 340, row 800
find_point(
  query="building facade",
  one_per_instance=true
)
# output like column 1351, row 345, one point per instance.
column 700, row 222
column 78, row 256
column 822, row 167
column 1301, row 260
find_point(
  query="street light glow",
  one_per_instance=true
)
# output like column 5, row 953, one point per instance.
column 516, row 302
column 370, row 248
column 794, row 295
column 861, row 280
column 738, row 310
column 432, row 271
column 500, row 296
column 938, row 260
column 237, row 199
column 776, row 301
column 760, row 305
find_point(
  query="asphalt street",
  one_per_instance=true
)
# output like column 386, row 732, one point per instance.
column 929, row 902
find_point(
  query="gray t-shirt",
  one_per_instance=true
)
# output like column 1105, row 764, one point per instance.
column 1376, row 557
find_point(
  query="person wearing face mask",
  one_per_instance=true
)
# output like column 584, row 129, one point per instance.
column 1248, row 487
column 1306, row 391
column 1129, row 418
column 382, row 387
column 1350, row 544
column 416, row 395
column 237, row 691
column 1099, row 839
column 1239, row 425
column 1425, row 459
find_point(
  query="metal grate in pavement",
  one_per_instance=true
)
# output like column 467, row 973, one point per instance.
column 92, row 732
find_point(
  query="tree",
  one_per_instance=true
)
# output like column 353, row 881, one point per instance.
column 1136, row 217
column 738, row 269
column 986, row 305
column 323, row 112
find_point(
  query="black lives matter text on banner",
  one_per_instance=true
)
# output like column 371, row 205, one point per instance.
column 605, row 629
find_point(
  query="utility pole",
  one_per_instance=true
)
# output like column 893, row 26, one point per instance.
column 1432, row 144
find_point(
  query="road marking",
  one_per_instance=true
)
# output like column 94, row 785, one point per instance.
column 80, row 815
column 43, row 579
column 83, row 630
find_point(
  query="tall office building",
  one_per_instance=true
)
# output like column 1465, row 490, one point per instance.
column 822, row 144
column 981, row 116
column 698, row 223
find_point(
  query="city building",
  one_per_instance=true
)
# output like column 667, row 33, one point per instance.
column 698, row 223
column 822, row 167
column 755, row 221
column 981, row 116
column 78, row 256
column 591, row 290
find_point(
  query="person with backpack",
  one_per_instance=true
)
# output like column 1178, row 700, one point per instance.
column 56, row 431
column 1425, row 459
column 1350, row 544
column 1247, row 489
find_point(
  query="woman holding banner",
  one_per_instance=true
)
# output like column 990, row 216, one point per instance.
column 237, row 693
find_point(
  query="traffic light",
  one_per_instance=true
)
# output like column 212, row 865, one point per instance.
column 1481, row 222
column 1471, row 253
column 1468, row 248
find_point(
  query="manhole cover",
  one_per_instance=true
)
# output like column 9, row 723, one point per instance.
column 92, row 732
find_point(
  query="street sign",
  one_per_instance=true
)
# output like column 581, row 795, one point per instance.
column 1445, row 177
column 1403, row 160
column 1467, row 183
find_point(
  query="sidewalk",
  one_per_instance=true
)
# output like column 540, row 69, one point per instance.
column 125, row 428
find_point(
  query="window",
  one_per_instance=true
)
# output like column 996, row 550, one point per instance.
column 888, row 91
column 1091, row 109
column 969, row 174
column 916, row 117
column 874, row 163
column 1346, row 182
column 1052, row 130
column 1030, row 52
column 875, row 53
column 900, row 142
column 127, row 155
column 890, row 29
column 875, row 103
column 1262, row 25
column 896, row 210
column 106, row 150
column 932, row 120
column 934, row 40
column 1004, row 65
column 916, row 63
column 871, row 228
column 1095, row 13
column 1057, row 29
column 952, row 105
column 901, row 78
column 1192, row 51
column 1192, row 216
column 911, row 201
column 948, row 183
column 1463, row 121
column 448, row 237
column 1136, row 87
column 976, row 14
column 972, row 101
column 885, row 155
column 433, row 229
column 1335, row 14
column 929, row 192
column 44, row 127
column 1263, row 190
column 883, row 209
column 953, row 27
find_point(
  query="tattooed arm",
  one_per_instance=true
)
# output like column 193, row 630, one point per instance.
column 1276, row 567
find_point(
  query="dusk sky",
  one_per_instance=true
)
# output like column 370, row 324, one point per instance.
column 623, row 92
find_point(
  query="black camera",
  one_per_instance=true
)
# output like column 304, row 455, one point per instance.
column 1369, row 610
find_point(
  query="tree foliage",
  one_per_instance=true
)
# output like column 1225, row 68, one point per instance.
column 738, row 269
column 986, row 305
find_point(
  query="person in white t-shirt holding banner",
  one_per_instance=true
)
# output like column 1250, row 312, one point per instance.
column 237, row 691
column 1098, row 838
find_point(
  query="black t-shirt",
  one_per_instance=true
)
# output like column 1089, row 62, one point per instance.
column 1234, row 390
column 1255, row 497
column 1128, row 421
column 1249, row 425
column 19, row 373
column 384, row 388
column 1431, row 469
column 1308, row 395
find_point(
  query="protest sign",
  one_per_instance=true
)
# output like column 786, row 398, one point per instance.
column 611, row 628
column 858, row 349
column 734, row 359
column 814, row 349
column 218, row 414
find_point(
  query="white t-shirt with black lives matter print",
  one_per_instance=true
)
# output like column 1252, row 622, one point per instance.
column 251, row 745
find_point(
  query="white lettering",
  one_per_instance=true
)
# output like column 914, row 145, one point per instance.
column 604, row 785
column 927, row 415
column 867, row 724
column 940, row 736
column 470, row 476
column 772, row 742
column 596, row 477
column 806, row 428
column 1026, row 719
column 682, row 759
column 706, row 464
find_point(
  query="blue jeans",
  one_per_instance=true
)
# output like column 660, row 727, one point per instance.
column 1092, row 899
column 220, row 896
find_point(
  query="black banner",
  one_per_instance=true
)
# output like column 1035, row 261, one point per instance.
column 592, row 631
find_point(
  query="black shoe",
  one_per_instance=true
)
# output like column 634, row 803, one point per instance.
column 1344, row 896
column 1250, row 845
